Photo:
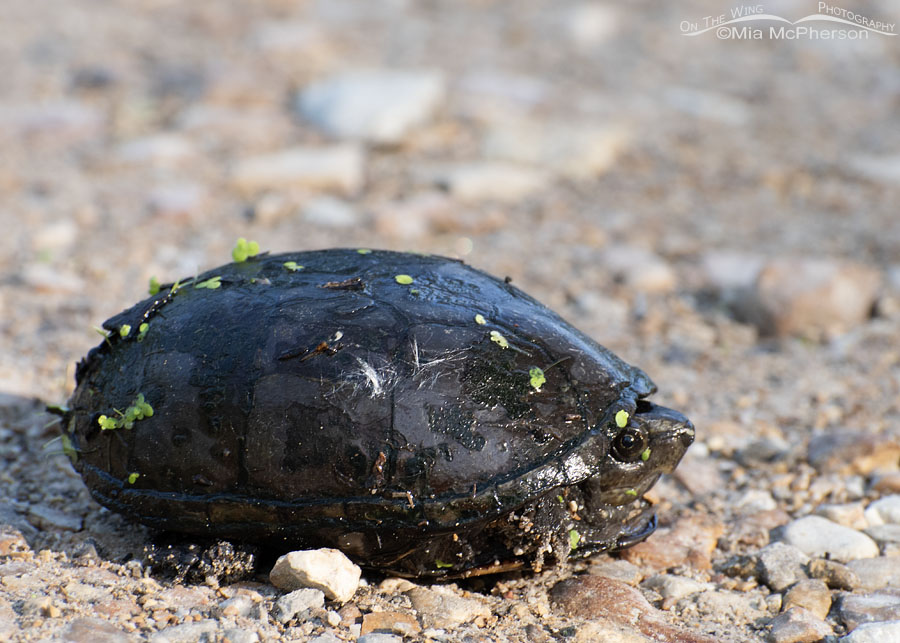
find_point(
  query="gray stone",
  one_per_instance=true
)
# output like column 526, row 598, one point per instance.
column 44, row 517
column 817, row 537
column 380, row 106
column 713, row 106
column 95, row 630
column 442, row 608
column 237, row 635
column 327, row 637
column 876, row 573
column 616, row 568
column 882, row 169
column 675, row 587
column 240, row 605
column 326, row 569
column 884, row 534
column 379, row 637
column 855, row 609
column 811, row 594
column 884, row 511
column 185, row 633
column 779, row 565
column 874, row 633
column 798, row 625
column 298, row 601
column 335, row 168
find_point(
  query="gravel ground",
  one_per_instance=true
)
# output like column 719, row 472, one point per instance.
column 722, row 213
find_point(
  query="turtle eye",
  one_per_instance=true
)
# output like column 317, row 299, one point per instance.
column 629, row 444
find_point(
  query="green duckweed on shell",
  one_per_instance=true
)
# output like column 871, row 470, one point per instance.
column 480, row 320
column 403, row 280
column 499, row 339
column 244, row 249
column 622, row 419
column 537, row 378
column 212, row 283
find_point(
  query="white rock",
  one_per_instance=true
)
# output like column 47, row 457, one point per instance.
column 753, row 501
column 380, row 106
column 874, row 633
column 574, row 150
column 185, row 633
column 489, row 181
column 159, row 150
column 338, row 168
column 326, row 569
column 884, row 511
column 590, row 23
column 44, row 517
column 62, row 121
column 327, row 211
column 818, row 537
column 237, row 635
column 798, row 624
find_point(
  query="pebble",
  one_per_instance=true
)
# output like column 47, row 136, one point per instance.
column 94, row 630
column 709, row 105
column 598, row 597
column 185, row 633
column 849, row 514
column 691, row 541
column 590, row 24
column 395, row 622
column 835, row 574
column 330, row 212
column 379, row 106
column 326, row 569
column 754, row 501
column 177, row 199
column 874, row 633
column 670, row 586
column 497, row 181
column 855, row 609
column 885, row 535
column 639, row 268
column 884, row 511
column 727, row 271
column 881, row 169
column 853, row 452
column 814, row 298
column 816, row 537
column 441, row 608
column 161, row 150
column 877, row 573
column 236, row 606
column 300, row 600
column 336, row 168
column 616, row 568
column 61, row 122
column 810, row 594
column 44, row 517
column 779, row 565
column 379, row 637
column 572, row 150
column 327, row 637
column 238, row 635
column 797, row 625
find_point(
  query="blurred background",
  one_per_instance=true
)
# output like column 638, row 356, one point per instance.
column 640, row 181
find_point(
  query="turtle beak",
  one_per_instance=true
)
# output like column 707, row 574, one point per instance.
column 670, row 433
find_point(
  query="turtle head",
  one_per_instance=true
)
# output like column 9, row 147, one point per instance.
column 643, row 446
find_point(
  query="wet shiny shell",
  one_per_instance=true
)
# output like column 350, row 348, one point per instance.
column 343, row 398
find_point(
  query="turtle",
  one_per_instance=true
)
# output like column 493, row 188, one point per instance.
column 418, row 414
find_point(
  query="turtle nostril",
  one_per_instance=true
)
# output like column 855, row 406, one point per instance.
column 687, row 435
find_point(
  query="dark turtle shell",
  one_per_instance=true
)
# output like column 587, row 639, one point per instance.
column 383, row 403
